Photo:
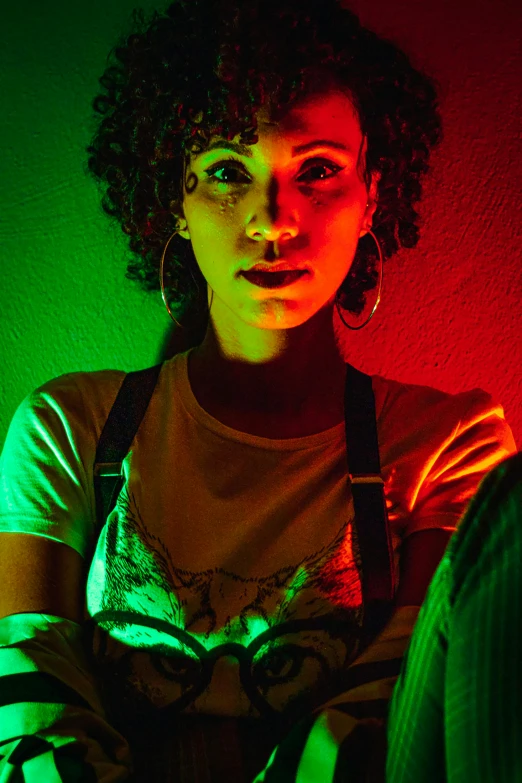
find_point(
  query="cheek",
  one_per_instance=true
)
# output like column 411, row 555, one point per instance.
column 208, row 207
column 212, row 221
column 333, row 202
column 333, row 217
column 227, row 206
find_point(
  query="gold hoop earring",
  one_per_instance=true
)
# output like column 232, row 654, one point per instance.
column 381, row 275
column 162, row 283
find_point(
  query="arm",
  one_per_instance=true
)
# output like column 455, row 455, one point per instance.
column 52, row 723
column 420, row 556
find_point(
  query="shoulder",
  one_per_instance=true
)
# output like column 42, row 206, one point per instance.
column 405, row 409
column 435, row 448
column 396, row 395
column 69, row 401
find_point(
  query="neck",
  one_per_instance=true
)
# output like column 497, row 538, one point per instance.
column 292, row 372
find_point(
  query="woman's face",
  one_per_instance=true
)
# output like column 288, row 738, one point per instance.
column 296, row 196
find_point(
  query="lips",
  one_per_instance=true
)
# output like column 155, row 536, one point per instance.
column 274, row 279
column 281, row 267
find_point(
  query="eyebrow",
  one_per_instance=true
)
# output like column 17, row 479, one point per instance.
column 244, row 149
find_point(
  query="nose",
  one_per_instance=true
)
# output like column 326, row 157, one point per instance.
column 272, row 220
column 261, row 227
column 275, row 232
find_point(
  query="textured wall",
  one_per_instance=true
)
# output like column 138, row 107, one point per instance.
column 451, row 309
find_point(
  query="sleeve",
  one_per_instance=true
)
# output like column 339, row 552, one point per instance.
column 52, row 723
column 448, row 475
column 46, row 485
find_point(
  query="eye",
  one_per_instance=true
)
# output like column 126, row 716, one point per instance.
column 213, row 171
column 316, row 165
column 224, row 170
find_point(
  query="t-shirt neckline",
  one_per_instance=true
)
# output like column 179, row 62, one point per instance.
column 206, row 420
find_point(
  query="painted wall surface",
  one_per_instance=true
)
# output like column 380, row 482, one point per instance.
column 450, row 315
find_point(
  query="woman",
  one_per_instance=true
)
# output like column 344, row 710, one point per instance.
column 264, row 160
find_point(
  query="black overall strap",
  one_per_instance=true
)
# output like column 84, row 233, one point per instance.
column 371, row 518
column 117, row 435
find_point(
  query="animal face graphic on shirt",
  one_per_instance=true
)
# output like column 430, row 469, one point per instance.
column 166, row 637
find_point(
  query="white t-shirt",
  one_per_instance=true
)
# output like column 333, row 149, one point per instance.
column 222, row 538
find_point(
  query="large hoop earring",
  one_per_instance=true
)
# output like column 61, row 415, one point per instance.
column 162, row 284
column 381, row 276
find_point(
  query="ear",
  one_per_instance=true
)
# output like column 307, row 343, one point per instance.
column 372, row 204
column 176, row 210
column 181, row 221
column 183, row 230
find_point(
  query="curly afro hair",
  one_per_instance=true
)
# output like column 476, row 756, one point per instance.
column 204, row 68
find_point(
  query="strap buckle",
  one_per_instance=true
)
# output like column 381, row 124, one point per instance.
column 107, row 469
column 366, row 478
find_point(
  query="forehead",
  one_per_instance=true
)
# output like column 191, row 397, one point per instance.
column 332, row 110
column 329, row 115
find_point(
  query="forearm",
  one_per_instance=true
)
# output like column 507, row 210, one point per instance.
column 52, row 724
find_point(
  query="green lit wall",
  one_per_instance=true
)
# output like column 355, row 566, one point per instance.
column 451, row 311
